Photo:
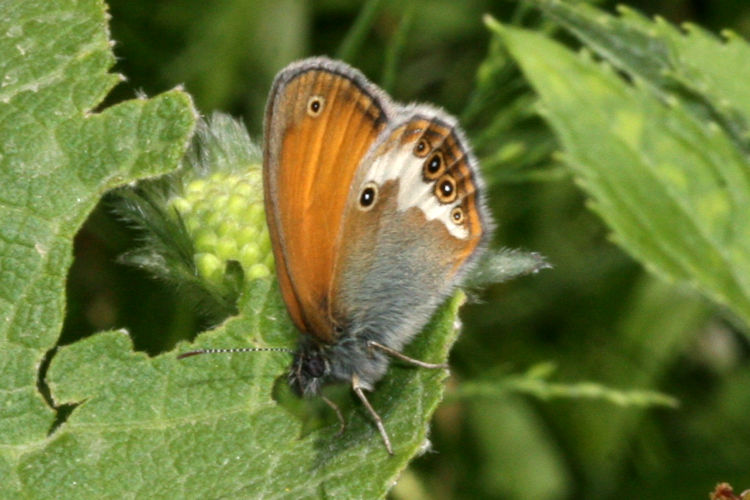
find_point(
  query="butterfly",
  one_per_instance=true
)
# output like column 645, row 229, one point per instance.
column 375, row 212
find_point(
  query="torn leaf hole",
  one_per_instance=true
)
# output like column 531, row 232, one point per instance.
column 63, row 411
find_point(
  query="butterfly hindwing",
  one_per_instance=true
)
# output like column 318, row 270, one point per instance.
column 402, row 253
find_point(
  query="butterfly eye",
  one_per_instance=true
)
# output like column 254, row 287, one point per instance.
column 422, row 148
column 445, row 189
column 368, row 196
column 315, row 105
column 457, row 215
column 433, row 166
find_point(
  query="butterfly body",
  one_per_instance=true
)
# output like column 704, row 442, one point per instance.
column 375, row 213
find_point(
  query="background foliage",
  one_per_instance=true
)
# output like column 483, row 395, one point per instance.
column 598, row 316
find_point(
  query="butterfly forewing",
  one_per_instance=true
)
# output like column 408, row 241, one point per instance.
column 320, row 123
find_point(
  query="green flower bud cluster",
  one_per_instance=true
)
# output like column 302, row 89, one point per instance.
column 203, row 227
column 224, row 216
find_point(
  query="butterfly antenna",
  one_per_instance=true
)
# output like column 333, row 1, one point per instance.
column 234, row 350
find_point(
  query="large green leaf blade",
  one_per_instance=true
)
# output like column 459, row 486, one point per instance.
column 631, row 45
column 118, row 423
column 711, row 68
column 674, row 190
column 56, row 161
column 34, row 67
column 208, row 427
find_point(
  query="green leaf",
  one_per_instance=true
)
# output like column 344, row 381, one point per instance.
column 673, row 188
column 118, row 423
column 208, row 427
column 709, row 68
column 631, row 45
column 57, row 158
column 538, row 385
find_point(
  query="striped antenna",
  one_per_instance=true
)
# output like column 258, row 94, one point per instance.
column 234, row 350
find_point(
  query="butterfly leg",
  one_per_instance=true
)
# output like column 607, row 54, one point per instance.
column 393, row 352
column 335, row 408
column 378, row 421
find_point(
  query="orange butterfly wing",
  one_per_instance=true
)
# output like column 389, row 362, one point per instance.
column 321, row 120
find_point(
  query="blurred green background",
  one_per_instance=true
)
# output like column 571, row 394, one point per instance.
column 597, row 316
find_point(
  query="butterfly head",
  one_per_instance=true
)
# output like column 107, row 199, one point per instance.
column 311, row 368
